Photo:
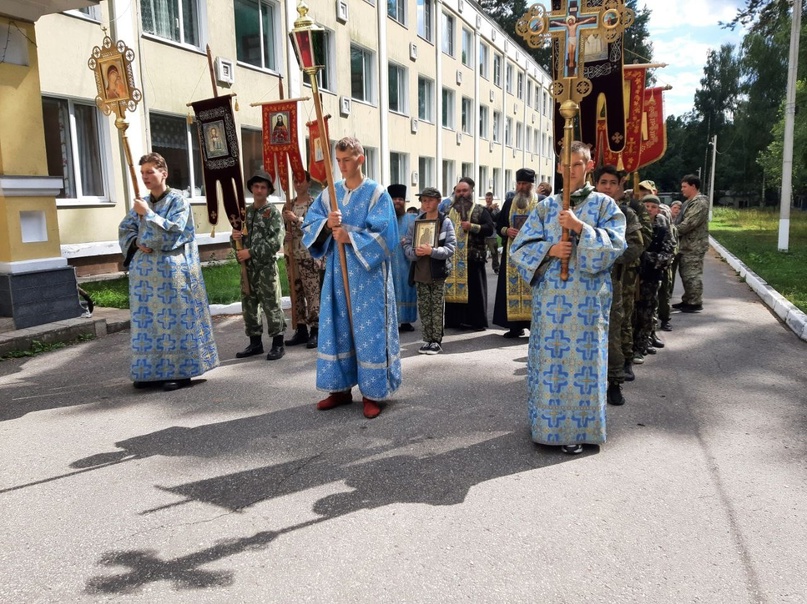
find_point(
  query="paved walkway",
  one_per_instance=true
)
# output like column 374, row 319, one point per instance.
column 238, row 490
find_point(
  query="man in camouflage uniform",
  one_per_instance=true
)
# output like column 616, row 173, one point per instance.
column 665, row 290
column 630, row 285
column 260, row 246
column 693, row 241
column 609, row 181
column 308, row 272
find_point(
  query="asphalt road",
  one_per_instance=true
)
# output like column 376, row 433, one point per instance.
column 238, row 490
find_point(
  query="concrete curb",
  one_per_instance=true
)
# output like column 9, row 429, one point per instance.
column 795, row 319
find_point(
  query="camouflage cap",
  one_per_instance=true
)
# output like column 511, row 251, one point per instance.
column 430, row 192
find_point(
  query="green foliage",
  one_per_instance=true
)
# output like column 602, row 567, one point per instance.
column 752, row 235
column 222, row 281
column 771, row 158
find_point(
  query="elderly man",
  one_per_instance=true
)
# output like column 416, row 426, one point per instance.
column 513, row 308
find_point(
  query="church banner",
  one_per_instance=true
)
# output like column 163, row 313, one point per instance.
column 654, row 139
column 221, row 163
column 316, row 158
column 280, row 143
column 629, row 158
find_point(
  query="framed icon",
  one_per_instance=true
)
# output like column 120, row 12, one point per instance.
column 215, row 139
column 425, row 233
column 519, row 220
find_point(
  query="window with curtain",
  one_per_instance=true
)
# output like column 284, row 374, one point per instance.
column 397, row 10
column 252, row 150
column 425, row 172
column 398, row 92
column 467, row 115
column 73, row 148
column 425, row 99
column 467, row 43
column 175, row 20
column 255, row 25
column 397, row 168
column 448, row 108
column 497, row 70
column 448, row 34
column 424, row 11
column 483, row 121
column 361, row 74
column 448, row 178
column 178, row 143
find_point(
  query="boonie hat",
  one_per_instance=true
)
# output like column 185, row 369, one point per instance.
column 648, row 185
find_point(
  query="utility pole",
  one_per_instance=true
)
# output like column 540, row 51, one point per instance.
column 790, row 121
column 712, row 177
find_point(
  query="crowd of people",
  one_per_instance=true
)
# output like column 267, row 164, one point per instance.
column 363, row 269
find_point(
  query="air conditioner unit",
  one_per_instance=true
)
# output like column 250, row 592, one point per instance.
column 490, row 146
column 490, row 183
column 515, row 107
column 491, row 96
column 479, row 22
column 493, row 35
column 344, row 106
column 460, row 5
column 225, row 74
column 459, row 77
column 533, row 118
column 413, row 51
column 415, row 178
column 459, row 138
column 341, row 11
column 514, row 151
column 413, row 125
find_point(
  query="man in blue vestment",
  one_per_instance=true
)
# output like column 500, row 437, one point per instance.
column 171, row 332
column 568, row 354
column 406, row 295
column 358, row 341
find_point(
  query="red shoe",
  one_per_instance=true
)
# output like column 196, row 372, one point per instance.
column 371, row 408
column 335, row 399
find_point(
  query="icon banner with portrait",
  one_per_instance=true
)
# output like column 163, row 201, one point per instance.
column 280, row 142
column 221, row 164
column 316, row 158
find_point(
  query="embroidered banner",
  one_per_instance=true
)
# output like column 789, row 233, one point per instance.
column 628, row 159
column 280, row 142
column 221, row 163
column 316, row 158
column 654, row 127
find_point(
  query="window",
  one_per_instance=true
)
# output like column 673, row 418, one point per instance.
column 425, row 172
column 425, row 19
column 398, row 89
column 91, row 12
column 538, row 97
column 546, row 103
column 467, row 44
column 425, row 99
column 483, row 121
column 398, row 168
column 448, row 108
column 178, row 143
column 467, row 115
column 520, row 86
column 252, row 148
column 508, row 132
column 325, row 77
column 397, row 10
column 482, row 183
column 255, row 33
column 370, row 163
column 448, row 177
column 544, row 148
column 468, row 169
column 508, row 78
column 508, row 180
column 73, row 147
column 483, row 60
column 519, row 136
column 175, row 20
column 448, row 34
column 528, row 140
column 529, row 94
column 537, row 141
column 497, row 127
column 497, row 181
column 361, row 74
column 497, row 69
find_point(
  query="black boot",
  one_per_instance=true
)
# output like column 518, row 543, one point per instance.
column 615, row 394
column 300, row 336
column 629, row 375
column 655, row 341
column 277, row 350
column 255, row 347
column 313, row 339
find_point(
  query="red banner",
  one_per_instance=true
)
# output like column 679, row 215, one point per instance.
column 628, row 159
column 316, row 158
column 280, row 142
column 654, row 128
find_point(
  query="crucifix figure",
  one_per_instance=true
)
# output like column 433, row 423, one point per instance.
column 569, row 27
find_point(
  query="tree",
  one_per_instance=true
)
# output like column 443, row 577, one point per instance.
column 761, row 16
column 771, row 158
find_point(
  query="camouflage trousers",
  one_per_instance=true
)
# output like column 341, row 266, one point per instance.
column 630, row 282
column 645, row 313
column 265, row 294
column 307, row 287
column 616, row 360
column 690, row 266
column 493, row 246
column 431, row 305
column 665, row 291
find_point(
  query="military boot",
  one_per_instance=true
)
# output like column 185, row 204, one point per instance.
column 300, row 336
column 313, row 339
column 615, row 394
column 629, row 375
column 255, row 347
column 277, row 351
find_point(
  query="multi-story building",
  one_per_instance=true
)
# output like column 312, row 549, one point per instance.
column 434, row 89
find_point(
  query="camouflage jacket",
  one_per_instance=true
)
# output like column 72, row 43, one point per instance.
column 644, row 217
column 264, row 236
column 633, row 237
column 693, row 225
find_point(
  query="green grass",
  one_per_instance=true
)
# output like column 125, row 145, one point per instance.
column 223, row 282
column 753, row 234
column 38, row 347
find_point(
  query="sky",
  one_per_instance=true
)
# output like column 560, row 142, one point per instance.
column 682, row 33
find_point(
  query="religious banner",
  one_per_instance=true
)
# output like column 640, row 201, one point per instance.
column 628, row 159
column 316, row 158
column 218, row 139
column 654, row 128
column 280, row 142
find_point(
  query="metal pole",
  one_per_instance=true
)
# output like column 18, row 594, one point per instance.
column 790, row 120
column 712, row 178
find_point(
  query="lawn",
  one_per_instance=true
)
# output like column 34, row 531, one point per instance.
column 753, row 234
column 222, row 279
